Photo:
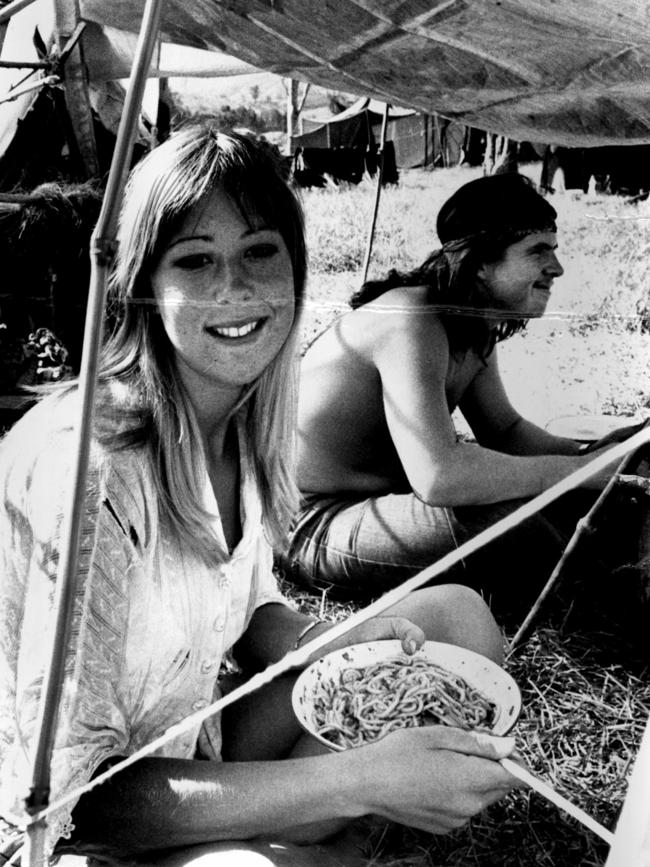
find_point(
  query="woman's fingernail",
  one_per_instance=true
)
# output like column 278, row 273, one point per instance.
column 411, row 646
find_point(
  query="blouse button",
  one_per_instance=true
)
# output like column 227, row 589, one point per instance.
column 219, row 623
column 200, row 704
column 207, row 666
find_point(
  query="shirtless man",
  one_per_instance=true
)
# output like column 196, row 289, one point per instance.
column 387, row 485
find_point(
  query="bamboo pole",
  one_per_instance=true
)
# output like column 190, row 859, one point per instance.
column 102, row 250
column 380, row 174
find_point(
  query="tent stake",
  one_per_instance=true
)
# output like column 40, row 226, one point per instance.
column 380, row 174
column 103, row 247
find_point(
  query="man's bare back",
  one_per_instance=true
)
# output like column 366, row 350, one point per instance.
column 346, row 444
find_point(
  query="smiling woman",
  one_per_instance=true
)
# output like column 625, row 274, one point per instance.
column 190, row 484
column 226, row 297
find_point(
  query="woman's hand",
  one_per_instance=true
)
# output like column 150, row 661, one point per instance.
column 382, row 627
column 434, row 778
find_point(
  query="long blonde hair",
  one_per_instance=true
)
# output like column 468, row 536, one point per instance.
column 140, row 386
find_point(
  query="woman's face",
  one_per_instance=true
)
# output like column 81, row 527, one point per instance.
column 225, row 293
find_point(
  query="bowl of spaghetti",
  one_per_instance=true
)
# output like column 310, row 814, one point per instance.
column 360, row 693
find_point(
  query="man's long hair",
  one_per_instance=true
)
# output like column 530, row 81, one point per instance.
column 454, row 291
column 142, row 390
column 477, row 224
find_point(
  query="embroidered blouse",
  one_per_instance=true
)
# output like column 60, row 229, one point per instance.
column 151, row 620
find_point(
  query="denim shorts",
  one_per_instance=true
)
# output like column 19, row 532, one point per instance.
column 361, row 547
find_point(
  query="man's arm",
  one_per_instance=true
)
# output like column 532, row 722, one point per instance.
column 497, row 425
column 412, row 358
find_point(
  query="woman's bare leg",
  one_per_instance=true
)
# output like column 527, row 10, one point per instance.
column 454, row 614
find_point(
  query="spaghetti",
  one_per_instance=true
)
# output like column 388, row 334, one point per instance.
column 364, row 704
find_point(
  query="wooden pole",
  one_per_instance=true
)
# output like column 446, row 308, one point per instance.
column 103, row 248
column 380, row 174
column 291, row 90
column 75, row 82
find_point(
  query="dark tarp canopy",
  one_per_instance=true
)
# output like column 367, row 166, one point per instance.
column 570, row 73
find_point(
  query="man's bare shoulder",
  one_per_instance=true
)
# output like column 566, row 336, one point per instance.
column 401, row 309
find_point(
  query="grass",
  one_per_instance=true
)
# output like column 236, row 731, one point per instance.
column 584, row 680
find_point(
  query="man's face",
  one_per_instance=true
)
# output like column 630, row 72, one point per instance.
column 520, row 281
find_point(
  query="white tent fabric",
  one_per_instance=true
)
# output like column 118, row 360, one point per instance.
column 19, row 46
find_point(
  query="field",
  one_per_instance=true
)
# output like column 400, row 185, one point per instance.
column 583, row 679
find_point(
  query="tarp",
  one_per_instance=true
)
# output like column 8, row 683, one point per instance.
column 109, row 53
column 575, row 72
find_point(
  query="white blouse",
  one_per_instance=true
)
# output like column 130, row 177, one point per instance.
column 151, row 620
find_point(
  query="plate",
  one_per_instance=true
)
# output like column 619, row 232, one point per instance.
column 480, row 672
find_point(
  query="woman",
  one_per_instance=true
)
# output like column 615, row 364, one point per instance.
column 190, row 484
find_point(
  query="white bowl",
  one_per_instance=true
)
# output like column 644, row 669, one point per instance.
column 486, row 676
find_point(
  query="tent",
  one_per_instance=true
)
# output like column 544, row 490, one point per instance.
column 410, row 131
